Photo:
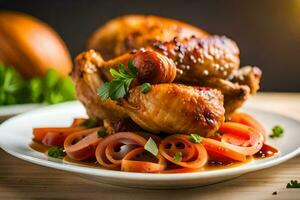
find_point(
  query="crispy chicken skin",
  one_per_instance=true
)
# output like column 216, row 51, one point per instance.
column 122, row 34
column 87, row 78
column 152, row 67
column 170, row 108
column 200, row 59
column 91, row 71
column 176, row 108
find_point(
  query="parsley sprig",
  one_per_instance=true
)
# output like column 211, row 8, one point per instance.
column 56, row 152
column 195, row 138
column 277, row 132
column 293, row 184
column 119, row 87
column 178, row 156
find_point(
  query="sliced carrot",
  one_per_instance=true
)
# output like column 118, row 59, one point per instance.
column 40, row 133
column 248, row 120
column 214, row 146
column 241, row 138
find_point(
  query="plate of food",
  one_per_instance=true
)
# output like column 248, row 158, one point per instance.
column 155, row 113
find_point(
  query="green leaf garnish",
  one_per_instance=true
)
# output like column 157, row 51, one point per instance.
column 104, row 91
column 195, row 138
column 293, row 184
column 216, row 134
column 119, row 87
column 101, row 133
column 145, row 87
column 56, row 152
column 89, row 123
column 151, row 147
column 132, row 69
column 178, row 156
column 48, row 89
column 277, row 131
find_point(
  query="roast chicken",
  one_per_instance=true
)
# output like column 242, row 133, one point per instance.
column 201, row 59
column 195, row 77
column 167, row 107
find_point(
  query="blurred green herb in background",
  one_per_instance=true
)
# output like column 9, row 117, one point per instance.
column 50, row 89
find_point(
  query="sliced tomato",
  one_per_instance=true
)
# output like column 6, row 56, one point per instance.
column 113, row 148
column 248, row 120
column 241, row 138
column 139, row 160
column 78, row 121
column 81, row 145
column 193, row 155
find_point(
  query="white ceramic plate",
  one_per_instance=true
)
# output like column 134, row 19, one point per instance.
column 16, row 134
column 11, row 110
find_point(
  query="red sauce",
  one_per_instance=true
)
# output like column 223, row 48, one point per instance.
column 266, row 152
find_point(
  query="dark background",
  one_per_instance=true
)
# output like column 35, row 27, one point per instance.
column 267, row 31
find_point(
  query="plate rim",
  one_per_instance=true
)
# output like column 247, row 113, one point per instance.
column 105, row 173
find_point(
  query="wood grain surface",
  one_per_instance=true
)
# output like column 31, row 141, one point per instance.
column 23, row 180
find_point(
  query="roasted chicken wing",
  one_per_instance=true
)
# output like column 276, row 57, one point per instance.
column 91, row 71
column 176, row 108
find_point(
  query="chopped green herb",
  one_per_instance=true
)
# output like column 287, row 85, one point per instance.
column 132, row 70
column 151, row 146
column 101, row 133
column 293, row 184
column 277, row 131
column 145, row 87
column 178, row 156
column 119, row 87
column 104, row 91
column 216, row 134
column 89, row 123
column 56, row 152
column 195, row 138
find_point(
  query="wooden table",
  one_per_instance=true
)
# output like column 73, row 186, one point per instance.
column 22, row 180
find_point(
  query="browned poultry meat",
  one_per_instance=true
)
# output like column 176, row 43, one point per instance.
column 176, row 108
column 122, row 34
column 200, row 59
column 91, row 71
column 171, row 108
column 212, row 61
column 88, row 79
